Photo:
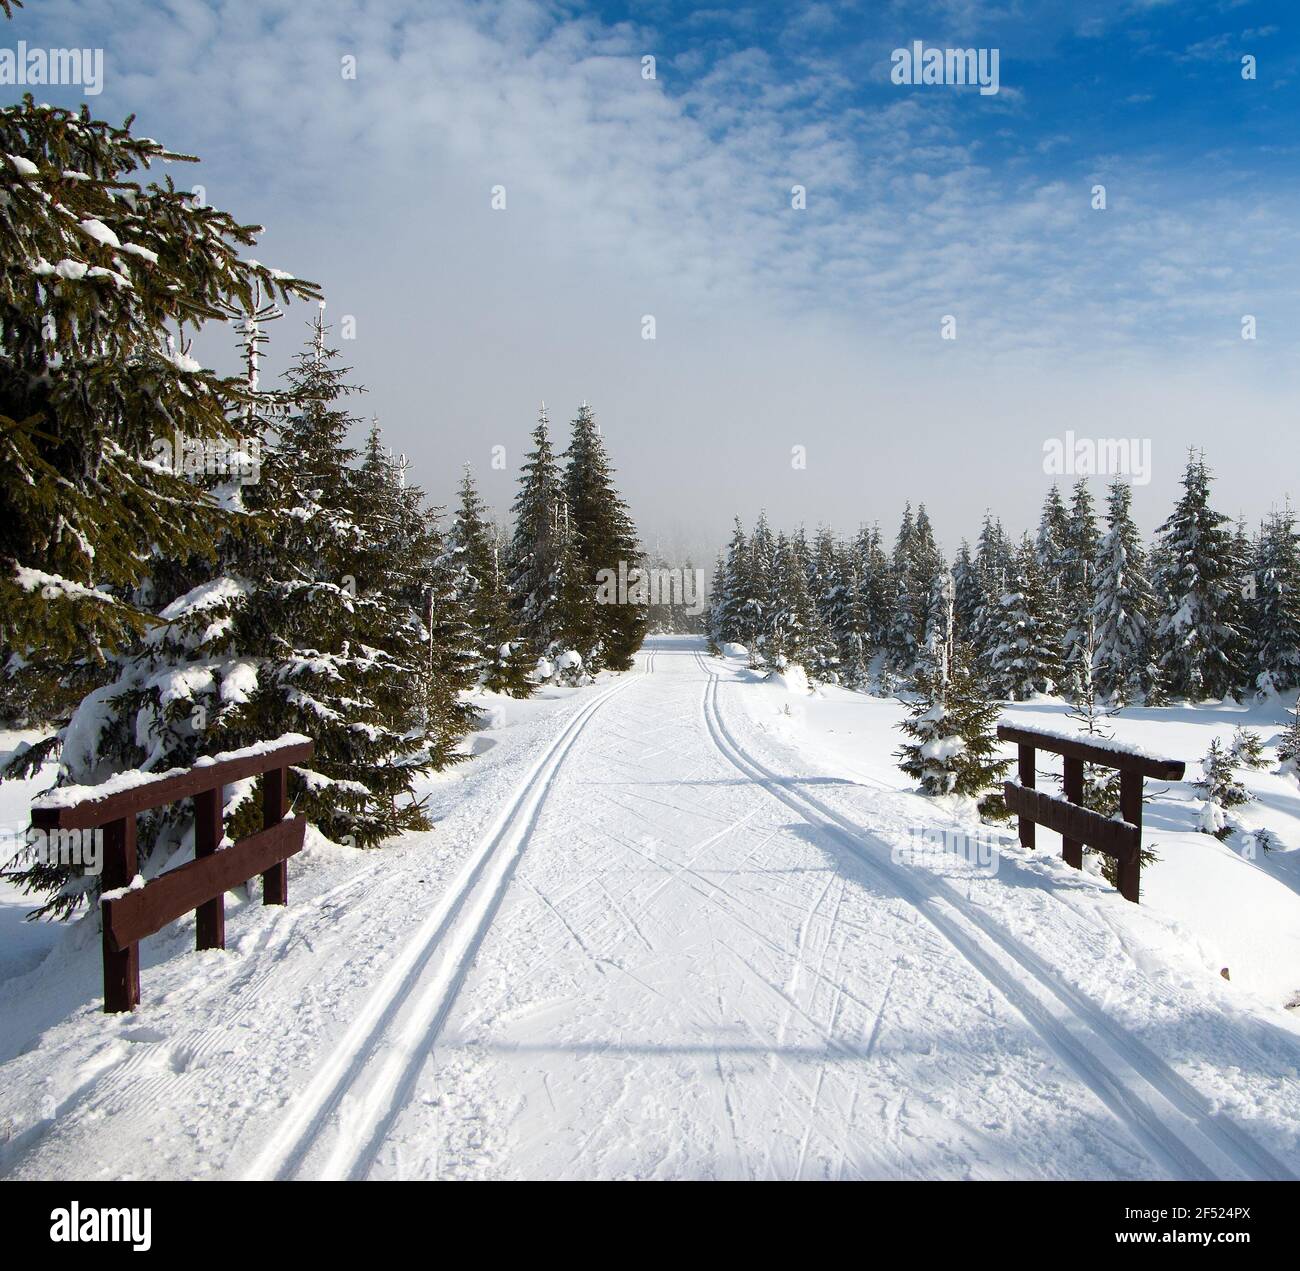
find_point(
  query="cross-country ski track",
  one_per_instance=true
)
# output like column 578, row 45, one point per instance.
column 676, row 948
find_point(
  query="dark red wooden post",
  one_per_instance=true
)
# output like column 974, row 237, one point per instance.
column 1129, row 873
column 1025, row 772
column 1072, row 849
column 275, row 882
column 121, row 967
column 211, row 915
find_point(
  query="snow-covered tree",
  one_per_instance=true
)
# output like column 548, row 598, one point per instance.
column 1078, row 592
column 602, row 537
column 1274, row 655
column 102, row 282
column 951, row 725
column 1122, row 605
column 1197, row 635
column 537, row 550
column 1026, row 661
column 1288, row 749
column 1247, row 749
column 501, row 662
column 730, row 614
column 1220, row 790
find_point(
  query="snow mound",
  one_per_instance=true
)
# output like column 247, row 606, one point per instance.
column 793, row 679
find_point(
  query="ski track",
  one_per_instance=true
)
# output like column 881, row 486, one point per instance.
column 670, row 955
column 1144, row 1093
column 359, row 1090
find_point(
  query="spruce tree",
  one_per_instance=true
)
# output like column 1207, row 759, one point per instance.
column 500, row 661
column 1220, row 789
column 952, row 727
column 1197, row 635
column 1077, row 594
column 731, row 617
column 1026, row 661
column 102, row 281
column 538, row 547
column 1121, row 610
column 602, row 537
column 1275, row 653
column 1288, row 749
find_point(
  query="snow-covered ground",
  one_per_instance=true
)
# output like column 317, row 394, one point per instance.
column 668, row 926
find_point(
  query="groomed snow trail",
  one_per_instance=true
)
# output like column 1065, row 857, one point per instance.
column 652, row 936
column 682, row 964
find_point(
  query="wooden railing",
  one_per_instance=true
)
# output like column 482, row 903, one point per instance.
column 132, row 909
column 1079, row 826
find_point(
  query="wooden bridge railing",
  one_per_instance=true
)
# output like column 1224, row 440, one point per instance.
column 1079, row 826
column 132, row 909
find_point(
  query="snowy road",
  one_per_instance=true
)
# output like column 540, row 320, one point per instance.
column 670, row 963
column 676, row 947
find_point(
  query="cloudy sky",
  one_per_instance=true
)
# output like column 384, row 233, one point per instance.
column 775, row 327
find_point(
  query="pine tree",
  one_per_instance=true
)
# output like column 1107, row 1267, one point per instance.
column 1197, row 635
column 853, row 631
column 100, row 282
column 967, row 594
column 952, row 727
column 873, row 579
column 762, row 578
column 1247, row 749
column 602, row 538
column 1080, row 553
column 1288, row 749
column 993, row 560
column 731, row 616
column 907, row 602
column 501, row 663
column 1026, row 661
column 1275, row 652
column 537, row 550
column 1221, row 791
column 1122, row 606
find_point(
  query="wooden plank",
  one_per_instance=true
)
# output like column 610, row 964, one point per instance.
column 210, row 917
column 174, row 894
column 121, row 964
column 155, row 794
column 1162, row 769
column 1129, row 877
column 275, row 798
column 1115, row 838
column 1028, row 779
column 1072, row 788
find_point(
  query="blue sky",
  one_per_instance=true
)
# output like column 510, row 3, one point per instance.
column 774, row 327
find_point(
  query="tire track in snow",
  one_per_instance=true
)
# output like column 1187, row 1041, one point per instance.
column 362, row 1086
column 1139, row 1088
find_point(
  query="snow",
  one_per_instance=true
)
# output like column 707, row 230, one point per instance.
column 100, row 232
column 24, row 167
column 67, row 796
column 51, row 586
column 143, row 252
column 667, row 926
column 1116, row 745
